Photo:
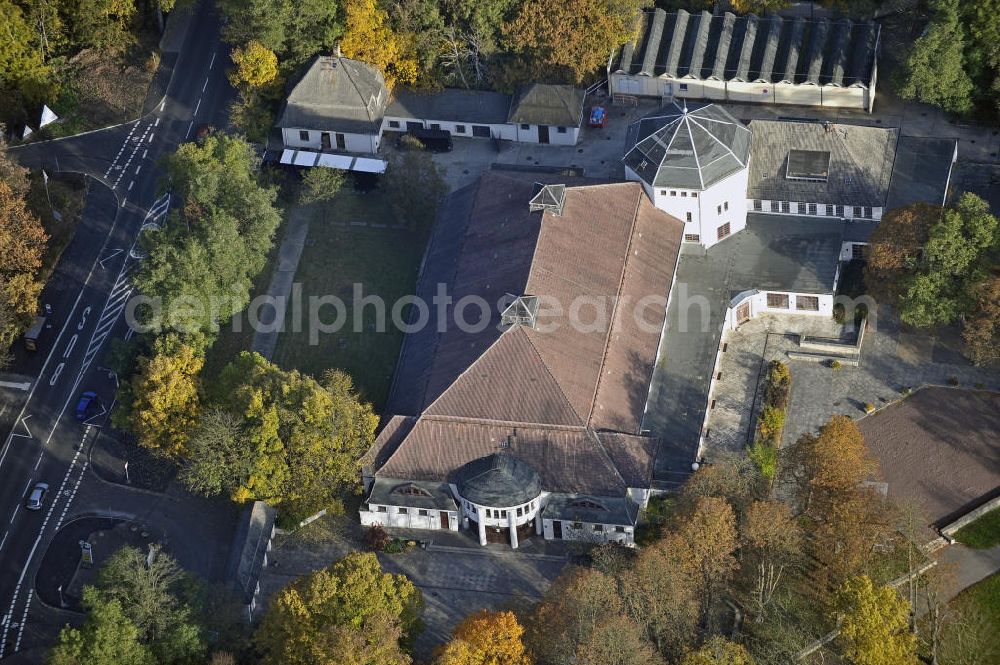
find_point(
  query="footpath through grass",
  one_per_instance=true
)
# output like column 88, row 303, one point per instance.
column 983, row 533
column 348, row 252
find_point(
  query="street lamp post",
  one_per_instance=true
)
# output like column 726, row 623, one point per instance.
column 62, row 602
column 127, row 481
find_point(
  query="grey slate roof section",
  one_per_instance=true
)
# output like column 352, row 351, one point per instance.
column 571, row 508
column 246, row 556
column 765, row 72
column 699, row 44
column 547, row 104
column 747, row 48
column 337, row 94
column 817, row 45
column 836, row 63
column 863, row 53
column 784, row 253
column 692, row 150
column 740, row 67
column 429, row 495
column 499, row 480
column 653, row 37
column 860, row 162
column 859, row 230
column 451, row 104
column 790, row 62
column 676, row 43
column 721, row 51
column 920, row 171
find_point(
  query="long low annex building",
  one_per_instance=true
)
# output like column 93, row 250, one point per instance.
column 768, row 59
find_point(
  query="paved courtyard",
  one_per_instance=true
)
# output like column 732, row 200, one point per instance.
column 892, row 358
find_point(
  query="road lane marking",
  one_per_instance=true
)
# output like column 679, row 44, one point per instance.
column 130, row 185
column 6, row 533
column 196, row 107
column 70, row 345
column 156, row 124
column 56, row 373
column 211, row 64
column 151, row 138
column 40, row 456
column 204, row 85
column 190, row 125
column 138, row 168
column 14, row 514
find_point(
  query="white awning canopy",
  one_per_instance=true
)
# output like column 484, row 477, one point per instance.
column 286, row 156
column 365, row 165
column 336, row 161
column 305, row 158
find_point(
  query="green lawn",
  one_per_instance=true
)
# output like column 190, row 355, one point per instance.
column 979, row 607
column 337, row 256
column 983, row 533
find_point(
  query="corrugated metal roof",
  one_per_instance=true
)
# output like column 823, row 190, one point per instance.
column 740, row 67
column 790, row 63
column 836, row 63
column 721, row 51
column 653, row 37
column 699, row 43
column 676, row 43
column 817, row 46
column 765, row 71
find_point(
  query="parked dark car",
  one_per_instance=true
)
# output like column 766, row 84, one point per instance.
column 433, row 140
column 86, row 404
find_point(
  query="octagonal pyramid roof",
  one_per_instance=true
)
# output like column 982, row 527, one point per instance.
column 686, row 146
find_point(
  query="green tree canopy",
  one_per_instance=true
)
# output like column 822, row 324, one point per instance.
column 934, row 71
column 349, row 603
column 299, row 443
column 874, row 624
column 107, row 637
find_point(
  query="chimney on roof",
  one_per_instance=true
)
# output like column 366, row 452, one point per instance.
column 336, row 50
column 512, row 439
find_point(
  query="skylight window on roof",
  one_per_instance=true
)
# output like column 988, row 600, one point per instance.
column 811, row 165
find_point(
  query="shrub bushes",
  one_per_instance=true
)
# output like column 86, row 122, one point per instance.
column 838, row 312
column 834, row 364
column 777, row 390
column 377, row 539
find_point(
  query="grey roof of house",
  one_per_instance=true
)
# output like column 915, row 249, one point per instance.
column 574, row 508
column 749, row 48
column 499, row 480
column 861, row 162
column 786, row 253
column 451, row 104
column 548, row 104
column 428, row 495
column 920, row 171
column 337, row 94
column 692, row 149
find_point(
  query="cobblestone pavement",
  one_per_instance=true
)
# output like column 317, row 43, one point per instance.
column 892, row 358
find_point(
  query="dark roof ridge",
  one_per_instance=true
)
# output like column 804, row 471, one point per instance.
column 614, row 310
column 501, row 423
column 607, row 456
column 354, row 84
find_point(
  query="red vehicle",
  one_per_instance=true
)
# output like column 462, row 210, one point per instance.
column 598, row 116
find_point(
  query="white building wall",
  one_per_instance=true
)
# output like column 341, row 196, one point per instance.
column 529, row 134
column 708, row 210
column 363, row 143
column 758, row 305
column 814, row 209
column 502, row 131
column 585, row 532
column 408, row 518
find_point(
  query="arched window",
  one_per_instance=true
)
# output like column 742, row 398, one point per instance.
column 588, row 504
column 411, row 490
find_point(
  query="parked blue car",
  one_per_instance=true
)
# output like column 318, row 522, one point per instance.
column 88, row 401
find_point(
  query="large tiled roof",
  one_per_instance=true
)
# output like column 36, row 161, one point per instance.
column 451, row 104
column 548, row 104
column 750, row 48
column 563, row 388
column 691, row 146
column 349, row 92
column 861, row 162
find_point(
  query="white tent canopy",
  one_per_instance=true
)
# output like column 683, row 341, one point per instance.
column 332, row 161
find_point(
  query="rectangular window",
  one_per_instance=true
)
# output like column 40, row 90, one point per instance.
column 402, row 511
column 800, row 208
column 859, row 251
column 777, row 300
column 503, row 513
column 525, row 126
column 684, row 195
column 560, row 130
column 394, row 124
column 812, row 208
column 673, row 192
column 435, row 125
column 724, row 231
column 381, row 509
column 718, row 209
column 868, row 213
column 785, row 206
column 840, row 211
column 598, row 528
column 774, row 206
column 577, row 525
column 489, row 512
column 689, row 217
column 459, row 129
column 303, row 135
column 725, row 205
column 683, row 87
column 482, row 131
column 475, row 511
column 692, row 237
column 620, row 529
column 807, row 303
column 857, row 211
column 663, row 192
column 520, row 511
column 422, row 513
column 694, row 195
column 829, row 210
column 758, row 205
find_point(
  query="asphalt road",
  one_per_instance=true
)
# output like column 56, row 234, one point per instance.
column 88, row 294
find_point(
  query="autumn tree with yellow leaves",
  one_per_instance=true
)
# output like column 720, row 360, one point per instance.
column 369, row 37
column 874, row 624
column 256, row 66
column 486, row 638
column 22, row 244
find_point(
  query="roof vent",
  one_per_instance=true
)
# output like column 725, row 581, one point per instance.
column 550, row 198
column 523, row 311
